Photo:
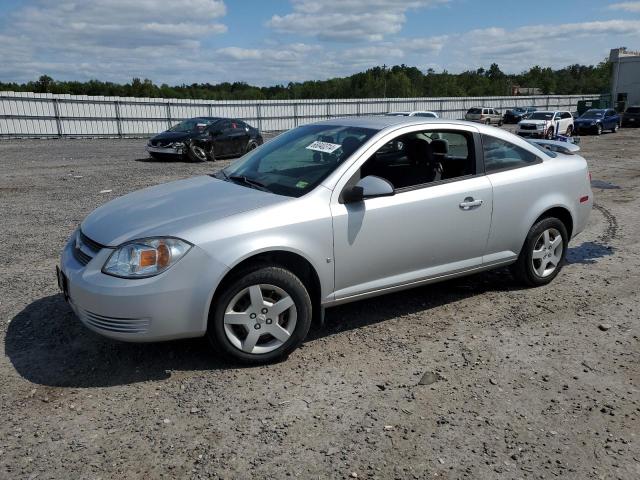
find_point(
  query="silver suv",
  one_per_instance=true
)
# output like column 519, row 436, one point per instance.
column 323, row 214
column 486, row 115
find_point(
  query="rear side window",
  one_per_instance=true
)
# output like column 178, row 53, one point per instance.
column 474, row 111
column 502, row 155
column 566, row 115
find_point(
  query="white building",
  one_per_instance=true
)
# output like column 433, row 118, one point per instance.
column 626, row 76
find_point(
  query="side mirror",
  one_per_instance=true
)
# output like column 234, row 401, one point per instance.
column 368, row 187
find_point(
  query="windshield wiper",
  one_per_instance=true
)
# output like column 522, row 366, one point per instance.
column 248, row 181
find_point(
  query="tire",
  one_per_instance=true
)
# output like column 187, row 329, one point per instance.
column 487, row 121
column 549, row 134
column 241, row 314
column 615, row 128
column 197, row 153
column 251, row 146
column 499, row 123
column 540, row 260
column 569, row 131
column 598, row 129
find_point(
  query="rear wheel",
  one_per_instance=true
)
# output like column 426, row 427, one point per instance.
column 615, row 128
column 260, row 317
column 542, row 254
column 251, row 146
column 487, row 121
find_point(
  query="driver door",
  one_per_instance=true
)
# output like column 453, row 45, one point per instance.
column 426, row 229
column 222, row 138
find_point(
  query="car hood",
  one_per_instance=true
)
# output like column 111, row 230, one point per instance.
column 534, row 122
column 172, row 136
column 172, row 209
column 587, row 120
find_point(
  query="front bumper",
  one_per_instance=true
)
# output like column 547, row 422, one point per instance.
column 172, row 305
column 530, row 133
column 630, row 122
column 165, row 150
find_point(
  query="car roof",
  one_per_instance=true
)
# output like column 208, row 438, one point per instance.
column 380, row 122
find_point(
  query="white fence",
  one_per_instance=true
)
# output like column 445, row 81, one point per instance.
column 25, row 114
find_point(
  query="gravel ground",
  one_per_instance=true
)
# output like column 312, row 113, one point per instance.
column 537, row 383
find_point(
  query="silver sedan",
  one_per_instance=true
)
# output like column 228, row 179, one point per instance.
column 323, row 214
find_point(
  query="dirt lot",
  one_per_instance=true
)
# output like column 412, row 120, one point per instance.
column 527, row 384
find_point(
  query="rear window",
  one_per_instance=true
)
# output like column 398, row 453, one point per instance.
column 474, row 111
column 633, row 110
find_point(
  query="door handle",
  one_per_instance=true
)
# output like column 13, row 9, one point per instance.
column 470, row 203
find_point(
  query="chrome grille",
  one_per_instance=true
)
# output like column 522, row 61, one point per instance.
column 527, row 127
column 116, row 324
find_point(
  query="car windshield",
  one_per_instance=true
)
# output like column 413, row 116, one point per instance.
column 633, row 110
column 295, row 162
column 592, row 114
column 397, row 114
column 518, row 110
column 474, row 110
column 190, row 125
column 541, row 116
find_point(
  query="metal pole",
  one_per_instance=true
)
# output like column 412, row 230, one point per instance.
column 118, row 122
column 259, row 116
column 168, row 115
column 295, row 114
column 56, row 112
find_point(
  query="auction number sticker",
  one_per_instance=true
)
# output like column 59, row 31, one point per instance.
column 324, row 147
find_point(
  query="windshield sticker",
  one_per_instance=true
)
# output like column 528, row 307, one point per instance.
column 302, row 183
column 324, row 147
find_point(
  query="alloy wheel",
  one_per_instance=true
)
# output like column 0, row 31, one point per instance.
column 547, row 252
column 199, row 152
column 260, row 319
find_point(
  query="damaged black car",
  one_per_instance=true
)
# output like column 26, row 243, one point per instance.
column 204, row 139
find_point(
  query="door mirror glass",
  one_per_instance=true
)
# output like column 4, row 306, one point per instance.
column 368, row 187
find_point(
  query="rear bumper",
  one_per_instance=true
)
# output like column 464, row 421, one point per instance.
column 172, row 305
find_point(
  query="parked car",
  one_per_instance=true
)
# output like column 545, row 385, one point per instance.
column 631, row 117
column 484, row 115
column 597, row 120
column 205, row 138
column 416, row 113
column 514, row 115
column 546, row 124
column 324, row 214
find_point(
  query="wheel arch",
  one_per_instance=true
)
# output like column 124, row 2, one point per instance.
column 561, row 213
column 288, row 259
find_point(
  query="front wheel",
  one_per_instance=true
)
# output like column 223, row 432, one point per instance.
column 542, row 254
column 549, row 134
column 260, row 316
column 569, row 131
column 197, row 153
column 598, row 129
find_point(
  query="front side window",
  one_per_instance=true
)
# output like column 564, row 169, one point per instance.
column 502, row 155
column 421, row 158
column 297, row 161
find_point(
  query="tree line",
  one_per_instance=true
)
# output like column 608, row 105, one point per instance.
column 395, row 82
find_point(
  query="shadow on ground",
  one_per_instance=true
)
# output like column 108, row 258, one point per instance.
column 588, row 253
column 48, row 345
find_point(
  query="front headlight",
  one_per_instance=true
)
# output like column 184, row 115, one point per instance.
column 145, row 257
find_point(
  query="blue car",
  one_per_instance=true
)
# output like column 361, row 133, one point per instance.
column 597, row 120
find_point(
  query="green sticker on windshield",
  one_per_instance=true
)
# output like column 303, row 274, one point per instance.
column 302, row 184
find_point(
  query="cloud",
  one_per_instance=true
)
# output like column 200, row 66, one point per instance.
column 626, row 6
column 347, row 20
